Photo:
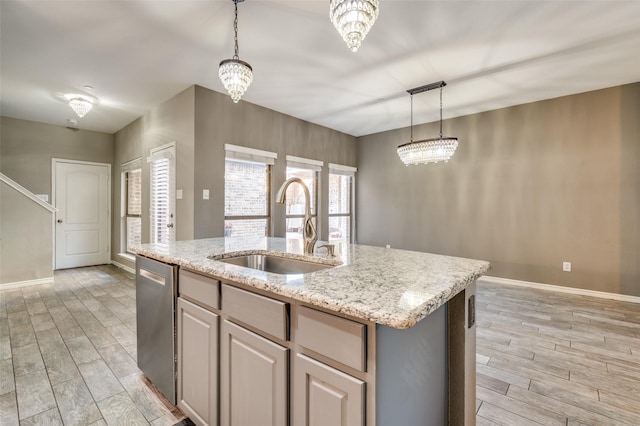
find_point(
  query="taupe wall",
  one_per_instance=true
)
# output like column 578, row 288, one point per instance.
column 172, row 121
column 26, row 238
column 219, row 121
column 201, row 121
column 25, row 156
column 28, row 147
column 530, row 186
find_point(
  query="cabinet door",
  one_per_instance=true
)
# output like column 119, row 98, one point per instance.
column 324, row 396
column 197, row 363
column 254, row 376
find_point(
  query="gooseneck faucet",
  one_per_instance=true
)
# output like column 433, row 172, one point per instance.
column 309, row 234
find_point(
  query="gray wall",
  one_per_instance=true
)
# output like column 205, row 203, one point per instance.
column 26, row 238
column 530, row 186
column 25, row 156
column 28, row 147
column 171, row 121
column 219, row 121
column 201, row 121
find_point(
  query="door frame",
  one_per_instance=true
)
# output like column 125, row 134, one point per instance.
column 54, row 164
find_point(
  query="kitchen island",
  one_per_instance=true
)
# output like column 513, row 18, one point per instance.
column 380, row 337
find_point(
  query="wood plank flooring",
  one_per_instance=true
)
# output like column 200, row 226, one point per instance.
column 68, row 350
column 556, row 359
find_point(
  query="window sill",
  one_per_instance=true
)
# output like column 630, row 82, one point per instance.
column 127, row 256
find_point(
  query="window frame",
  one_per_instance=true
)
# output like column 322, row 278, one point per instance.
column 341, row 170
column 314, row 166
column 255, row 156
column 126, row 168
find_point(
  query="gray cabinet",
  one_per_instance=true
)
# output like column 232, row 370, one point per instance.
column 197, row 343
column 323, row 395
column 253, row 378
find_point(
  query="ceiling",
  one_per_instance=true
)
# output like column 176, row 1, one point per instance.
column 137, row 54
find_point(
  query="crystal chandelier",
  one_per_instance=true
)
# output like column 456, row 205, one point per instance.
column 236, row 75
column 427, row 150
column 353, row 19
column 81, row 104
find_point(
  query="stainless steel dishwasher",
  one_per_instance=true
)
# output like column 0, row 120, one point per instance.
column 155, row 316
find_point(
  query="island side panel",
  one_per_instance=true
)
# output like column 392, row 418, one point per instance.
column 461, row 329
column 411, row 373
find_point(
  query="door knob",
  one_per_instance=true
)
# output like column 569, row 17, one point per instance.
column 169, row 225
column 59, row 220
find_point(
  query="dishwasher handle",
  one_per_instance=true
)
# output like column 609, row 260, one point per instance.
column 152, row 276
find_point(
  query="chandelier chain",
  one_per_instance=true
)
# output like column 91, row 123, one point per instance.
column 440, row 112
column 411, row 117
column 235, row 29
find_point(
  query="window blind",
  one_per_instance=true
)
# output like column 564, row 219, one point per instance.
column 304, row 163
column 160, row 209
column 162, row 197
column 339, row 169
column 236, row 152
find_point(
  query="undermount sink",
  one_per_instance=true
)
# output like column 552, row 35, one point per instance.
column 276, row 264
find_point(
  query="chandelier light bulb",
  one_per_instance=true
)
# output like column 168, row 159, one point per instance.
column 236, row 76
column 428, row 151
column 80, row 106
column 353, row 19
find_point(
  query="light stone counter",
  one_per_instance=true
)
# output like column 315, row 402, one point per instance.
column 397, row 288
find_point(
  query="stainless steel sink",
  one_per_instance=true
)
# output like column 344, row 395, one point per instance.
column 276, row 264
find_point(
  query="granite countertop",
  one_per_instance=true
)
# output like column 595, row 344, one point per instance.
column 392, row 287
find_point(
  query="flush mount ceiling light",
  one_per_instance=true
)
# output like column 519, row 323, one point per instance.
column 81, row 104
column 353, row 19
column 236, row 75
column 427, row 150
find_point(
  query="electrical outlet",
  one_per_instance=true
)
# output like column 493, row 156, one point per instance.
column 205, row 194
column 178, row 194
column 388, row 246
column 566, row 266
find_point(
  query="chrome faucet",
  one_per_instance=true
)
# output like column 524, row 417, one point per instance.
column 309, row 234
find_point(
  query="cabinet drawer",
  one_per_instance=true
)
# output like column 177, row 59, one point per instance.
column 337, row 338
column 200, row 289
column 261, row 312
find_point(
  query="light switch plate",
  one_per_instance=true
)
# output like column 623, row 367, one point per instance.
column 205, row 194
column 178, row 194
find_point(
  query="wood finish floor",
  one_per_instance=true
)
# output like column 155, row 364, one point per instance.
column 556, row 359
column 68, row 350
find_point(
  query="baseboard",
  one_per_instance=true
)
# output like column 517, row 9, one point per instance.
column 121, row 266
column 561, row 289
column 20, row 284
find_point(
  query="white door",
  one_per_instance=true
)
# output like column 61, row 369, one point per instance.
column 81, row 195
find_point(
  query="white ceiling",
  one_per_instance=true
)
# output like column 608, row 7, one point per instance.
column 137, row 54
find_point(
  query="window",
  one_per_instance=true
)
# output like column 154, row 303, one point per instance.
column 341, row 217
column 162, row 206
column 247, row 182
column 308, row 171
column 131, row 217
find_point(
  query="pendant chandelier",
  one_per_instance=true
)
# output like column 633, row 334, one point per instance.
column 81, row 104
column 353, row 19
column 236, row 75
column 427, row 151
